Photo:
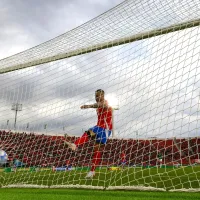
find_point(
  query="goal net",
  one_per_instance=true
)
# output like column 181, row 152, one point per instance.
column 145, row 56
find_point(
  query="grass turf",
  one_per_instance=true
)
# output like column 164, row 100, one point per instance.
column 167, row 178
column 71, row 194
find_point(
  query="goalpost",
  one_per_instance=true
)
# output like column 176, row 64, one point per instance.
column 143, row 53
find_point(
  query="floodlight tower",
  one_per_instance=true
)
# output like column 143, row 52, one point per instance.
column 16, row 107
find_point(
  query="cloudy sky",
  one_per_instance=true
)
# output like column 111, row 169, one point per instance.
column 155, row 82
column 27, row 23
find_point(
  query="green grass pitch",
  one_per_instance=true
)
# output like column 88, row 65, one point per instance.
column 167, row 178
column 71, row 194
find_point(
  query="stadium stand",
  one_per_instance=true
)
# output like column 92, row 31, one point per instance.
column 47, row 151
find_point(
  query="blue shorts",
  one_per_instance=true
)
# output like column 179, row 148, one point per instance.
column 123, row 162
column 101, row 134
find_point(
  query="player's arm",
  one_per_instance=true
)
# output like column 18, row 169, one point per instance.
column 96, row 105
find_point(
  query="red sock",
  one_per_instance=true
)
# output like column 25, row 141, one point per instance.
column 96, row 160
column 83, row 139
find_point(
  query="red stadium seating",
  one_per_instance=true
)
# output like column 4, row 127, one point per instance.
column 45, row 150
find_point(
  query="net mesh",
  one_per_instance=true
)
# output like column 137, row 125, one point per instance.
column 125, row 20
column 154, row 82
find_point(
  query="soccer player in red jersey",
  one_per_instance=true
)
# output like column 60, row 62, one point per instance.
column 123, row 159
column 100, row 132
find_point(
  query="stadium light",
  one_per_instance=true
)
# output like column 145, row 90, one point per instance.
column 16, row 107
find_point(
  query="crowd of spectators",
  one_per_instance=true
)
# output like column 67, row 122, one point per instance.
column 47, row 150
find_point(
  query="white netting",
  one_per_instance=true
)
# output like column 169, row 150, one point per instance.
column 154, row 82
column 126, row 20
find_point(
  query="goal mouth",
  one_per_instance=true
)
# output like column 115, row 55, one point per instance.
column 145, row 57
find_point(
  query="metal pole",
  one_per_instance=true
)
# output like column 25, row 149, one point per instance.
column 16, row 107
column 89, row 49
column 27, row 126
column 137, row 137
column 15, row 119
column 7, row 123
